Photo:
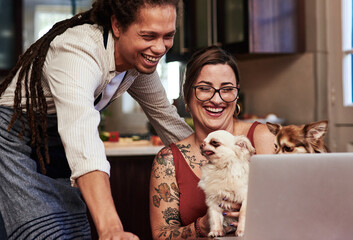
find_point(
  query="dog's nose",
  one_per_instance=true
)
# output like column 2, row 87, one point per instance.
column 202, row 145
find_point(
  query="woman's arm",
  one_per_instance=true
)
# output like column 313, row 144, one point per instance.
column 164, row 200
column 95, row 188
column 264, row 140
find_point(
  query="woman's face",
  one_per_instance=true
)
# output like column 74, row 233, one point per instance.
column 146, row 40
column 213, row 114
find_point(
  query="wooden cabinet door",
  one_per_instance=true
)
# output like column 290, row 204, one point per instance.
column 130, row 181
column 232, row 27
column 276, row 26
column 240, row 26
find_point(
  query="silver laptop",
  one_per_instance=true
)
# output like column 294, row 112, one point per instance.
column 300, row 196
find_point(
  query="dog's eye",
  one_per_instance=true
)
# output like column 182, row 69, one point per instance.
column 287, row 149
column 276, row 146
column 215, row 143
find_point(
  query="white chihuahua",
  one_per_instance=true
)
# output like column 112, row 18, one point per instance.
column 225, row 176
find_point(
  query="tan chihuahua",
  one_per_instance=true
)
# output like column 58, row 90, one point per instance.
column 308, row 138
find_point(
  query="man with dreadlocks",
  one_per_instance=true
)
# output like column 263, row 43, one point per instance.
column 49, row 116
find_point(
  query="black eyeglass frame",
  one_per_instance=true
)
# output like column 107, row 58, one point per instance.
column 215, row 91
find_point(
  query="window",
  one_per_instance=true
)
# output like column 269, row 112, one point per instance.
column 40, row 15
column 347, row 20
column 46, row 16
column 170, row 78
column 7, row 35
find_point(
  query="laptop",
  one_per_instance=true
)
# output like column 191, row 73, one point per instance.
column 300, row 196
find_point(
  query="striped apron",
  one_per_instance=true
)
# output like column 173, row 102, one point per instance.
column 33, row 205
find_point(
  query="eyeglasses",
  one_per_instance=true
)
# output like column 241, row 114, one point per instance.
column 205, row 93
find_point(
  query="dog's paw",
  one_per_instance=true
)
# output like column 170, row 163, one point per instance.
column 216, row 233
column 239, row 233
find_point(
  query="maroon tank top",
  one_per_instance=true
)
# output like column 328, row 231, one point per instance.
column 251, row 131
column 192, row 198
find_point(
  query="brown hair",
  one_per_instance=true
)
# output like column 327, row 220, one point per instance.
column 205, row 56
column 125, row 11
column 30, row 64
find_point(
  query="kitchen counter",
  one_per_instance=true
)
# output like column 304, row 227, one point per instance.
column 134, row 148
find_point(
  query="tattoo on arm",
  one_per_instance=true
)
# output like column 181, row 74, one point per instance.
column 164, row 193
column 190, row 157
column 174, row 229
column 168, row 192
column 164, row 168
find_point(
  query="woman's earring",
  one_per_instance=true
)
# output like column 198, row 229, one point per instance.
column 187, row 108
column 237, row 110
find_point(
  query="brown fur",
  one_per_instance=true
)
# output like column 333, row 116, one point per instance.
column 308, row 138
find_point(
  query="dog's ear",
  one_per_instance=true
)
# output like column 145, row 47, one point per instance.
column 244, row 143
column 316, row 130
column 273, row 127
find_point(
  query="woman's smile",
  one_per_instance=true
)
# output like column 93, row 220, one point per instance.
column 214, row 111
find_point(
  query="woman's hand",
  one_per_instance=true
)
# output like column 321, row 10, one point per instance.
column 232, row 211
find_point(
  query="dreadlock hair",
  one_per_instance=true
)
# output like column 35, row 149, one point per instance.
column 125, row 11
column 30, row 64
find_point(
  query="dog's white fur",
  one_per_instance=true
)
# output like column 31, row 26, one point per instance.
column 225, row 177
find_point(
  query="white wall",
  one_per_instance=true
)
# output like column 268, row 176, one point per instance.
column 283, row 85
column 294, row 87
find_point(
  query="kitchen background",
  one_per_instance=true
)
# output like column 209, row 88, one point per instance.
column 289, row 54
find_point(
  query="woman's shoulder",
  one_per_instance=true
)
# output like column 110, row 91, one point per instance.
column 174, row 150
column 261, row 128
column 163, row 158
column 168, row 150
column 165, row 151
column 256, row 129
column 243, row 128
column 263, row 139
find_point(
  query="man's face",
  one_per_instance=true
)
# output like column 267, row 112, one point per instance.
column 146, row 40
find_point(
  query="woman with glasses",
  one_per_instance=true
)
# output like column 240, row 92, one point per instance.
column 211, row 91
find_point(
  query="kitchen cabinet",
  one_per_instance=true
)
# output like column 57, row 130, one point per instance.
column 239, row 26
column 10, row 34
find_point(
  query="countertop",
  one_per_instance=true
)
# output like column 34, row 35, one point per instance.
column 133, row 148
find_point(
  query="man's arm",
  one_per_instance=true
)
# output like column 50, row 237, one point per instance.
column 95, row 188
